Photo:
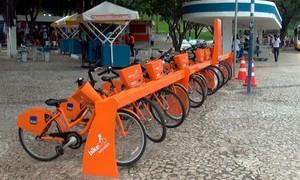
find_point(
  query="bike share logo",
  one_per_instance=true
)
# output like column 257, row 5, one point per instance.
column 135, row 77
column 100, row 147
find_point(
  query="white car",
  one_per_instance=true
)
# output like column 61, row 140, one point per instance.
column 185, row 45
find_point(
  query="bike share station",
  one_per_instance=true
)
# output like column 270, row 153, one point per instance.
column 99, row 157
column 100, row 151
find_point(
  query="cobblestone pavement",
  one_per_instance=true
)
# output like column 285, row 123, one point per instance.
column 233, row 136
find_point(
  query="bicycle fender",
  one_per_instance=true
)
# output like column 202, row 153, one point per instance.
column 34, row 120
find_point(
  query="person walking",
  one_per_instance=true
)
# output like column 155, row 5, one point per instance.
column 84, row 47
column 152, row 40
column 237, row 47
column 276, row 44
column 131, row 43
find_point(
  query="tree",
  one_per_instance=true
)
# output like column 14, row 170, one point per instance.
column 170, row 11
column 7, row 7
column 289, row 10
column 197, row 28
column 8, row 10
column 30, row 9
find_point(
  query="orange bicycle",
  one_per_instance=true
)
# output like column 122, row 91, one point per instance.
column 45, row 134
column 143, row 109
column 195, row 89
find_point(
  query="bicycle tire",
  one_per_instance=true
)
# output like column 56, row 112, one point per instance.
column 203, row 82
column 229, row 68
column 219, row 74
column 211, row 90
column 35, row 154
column 225, row 72
column 141, row 151
column 200, row 94
column 170, row 120
column 183, row 94
column 156, row 131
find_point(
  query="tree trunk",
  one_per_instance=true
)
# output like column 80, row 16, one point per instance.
column 32, row 23
column 174, row 38
column 156, row 22
column 9, row 17
column 176, row 33
column 283, row 30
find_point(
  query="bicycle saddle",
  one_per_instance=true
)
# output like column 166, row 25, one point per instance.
column 108, row 78
column 54, row 102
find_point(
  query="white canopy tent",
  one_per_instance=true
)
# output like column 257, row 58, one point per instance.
column 113, row 16
column 69, row 22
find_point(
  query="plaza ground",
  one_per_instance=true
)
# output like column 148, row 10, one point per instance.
column 232, row 136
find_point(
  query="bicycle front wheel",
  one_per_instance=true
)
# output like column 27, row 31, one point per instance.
column 224, row 71
column 212, row 80
column 196, row 92
column 179, row 90
column 172, row 106
column 220, row 75
column 152, row 119
column 229, row 68
column 130, row 138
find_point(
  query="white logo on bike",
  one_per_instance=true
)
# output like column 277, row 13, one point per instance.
column 101, row 145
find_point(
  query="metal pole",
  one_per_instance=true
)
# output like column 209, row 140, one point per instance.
column 235, row 33
column 251, row 43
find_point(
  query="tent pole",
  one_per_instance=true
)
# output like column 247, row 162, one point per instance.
column 63, row 33
column 100, row 33
column 111, row 54
column 88, row 26
column 122, row 29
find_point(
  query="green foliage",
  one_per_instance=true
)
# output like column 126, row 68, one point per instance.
column 289, row 11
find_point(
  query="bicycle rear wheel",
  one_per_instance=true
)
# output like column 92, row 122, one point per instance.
column 196, row 92
column 152, row 119
column 203, row 83
column 225, row 72
column 229, row 68
column 219, row 74
column 38, row 148
column 172, row 106
column 212, row 80
column 130, row 138
column 183, row 94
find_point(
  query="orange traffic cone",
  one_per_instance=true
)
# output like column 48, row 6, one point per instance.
column 253, row 78
column 242, row 71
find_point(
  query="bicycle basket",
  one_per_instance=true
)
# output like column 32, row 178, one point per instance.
column 182, row 60
column 199, row 55
column 86, row 94
column 207, row 54
column 132, row 76
column 155, row 69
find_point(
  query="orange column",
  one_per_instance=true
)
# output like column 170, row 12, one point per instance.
column 99, row 151
column 217, row 41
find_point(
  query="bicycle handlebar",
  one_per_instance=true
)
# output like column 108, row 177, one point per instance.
column 92, row 81
column 109, row 70
column 165, row 53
